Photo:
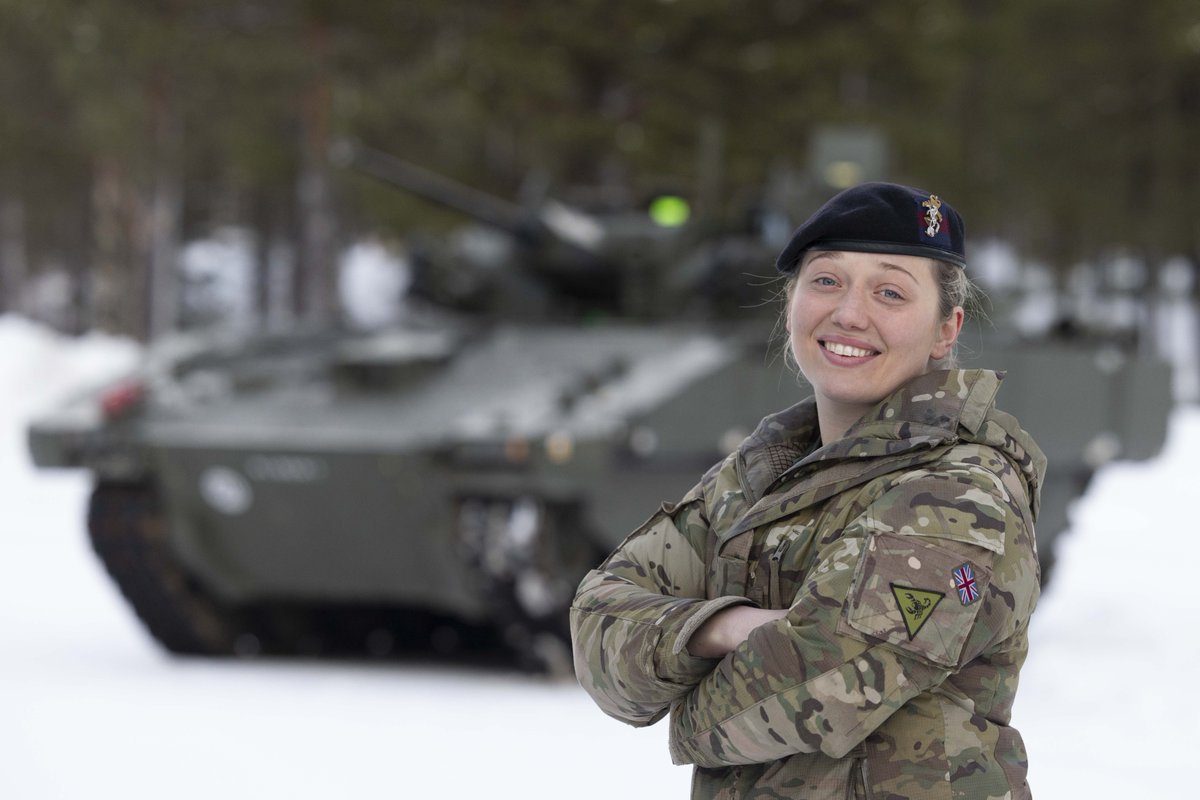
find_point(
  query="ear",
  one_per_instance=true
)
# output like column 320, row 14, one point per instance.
column 948, row 331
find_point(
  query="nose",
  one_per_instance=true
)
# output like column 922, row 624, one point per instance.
column 850, row 311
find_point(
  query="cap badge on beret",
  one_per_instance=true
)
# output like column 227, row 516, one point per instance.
column 933, row 216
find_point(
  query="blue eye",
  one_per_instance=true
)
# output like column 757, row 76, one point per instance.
column 892, row 294
column 824, row 280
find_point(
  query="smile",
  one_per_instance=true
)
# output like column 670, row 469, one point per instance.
column 846, row 350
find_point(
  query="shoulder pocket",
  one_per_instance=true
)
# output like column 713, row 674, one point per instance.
column 946, row 505
column 917, row 596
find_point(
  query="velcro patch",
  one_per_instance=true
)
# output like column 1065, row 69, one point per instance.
column 916, row 606
column 899, row 585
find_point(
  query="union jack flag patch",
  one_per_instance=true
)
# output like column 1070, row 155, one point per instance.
column 964, row 581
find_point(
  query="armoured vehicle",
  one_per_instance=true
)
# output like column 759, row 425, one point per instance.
column 449, row 480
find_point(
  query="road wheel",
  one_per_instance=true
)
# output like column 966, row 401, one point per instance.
column 129, row 532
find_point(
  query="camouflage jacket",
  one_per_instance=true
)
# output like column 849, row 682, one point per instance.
column 905, row 554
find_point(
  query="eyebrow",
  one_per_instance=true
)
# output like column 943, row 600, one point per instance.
column 837, row 254
column 890, row 265
column 818, row 254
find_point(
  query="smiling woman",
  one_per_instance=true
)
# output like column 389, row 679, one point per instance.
column 840, row 607
column 863, row 324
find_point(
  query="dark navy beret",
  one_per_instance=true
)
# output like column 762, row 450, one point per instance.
column 880, row 218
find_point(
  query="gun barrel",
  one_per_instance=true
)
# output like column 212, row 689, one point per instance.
column 439, row 189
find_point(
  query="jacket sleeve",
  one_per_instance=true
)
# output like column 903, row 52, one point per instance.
column 632, row 617
column 932, row 574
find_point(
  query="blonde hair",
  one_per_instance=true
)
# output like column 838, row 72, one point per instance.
column 955, row 289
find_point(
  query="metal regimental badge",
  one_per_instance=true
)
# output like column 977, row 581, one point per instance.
column 916, row 606
column 933, row 215
column 964, row 581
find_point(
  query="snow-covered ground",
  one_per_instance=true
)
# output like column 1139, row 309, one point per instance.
column 90, row 708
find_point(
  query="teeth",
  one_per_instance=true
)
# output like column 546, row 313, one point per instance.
column 846, row 350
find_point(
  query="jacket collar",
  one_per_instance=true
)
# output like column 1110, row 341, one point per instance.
column 929, row 410
column 908, row 428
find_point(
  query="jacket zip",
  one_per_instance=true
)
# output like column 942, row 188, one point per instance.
column 774, row 563
column 773, row 598
column 857, row 787
column 774, row 591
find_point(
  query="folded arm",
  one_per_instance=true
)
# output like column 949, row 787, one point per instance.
column 632, row 617
column 876, row 622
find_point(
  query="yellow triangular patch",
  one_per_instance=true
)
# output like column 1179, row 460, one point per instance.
column 916, row 606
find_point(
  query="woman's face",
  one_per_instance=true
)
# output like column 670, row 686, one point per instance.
column 863, row 324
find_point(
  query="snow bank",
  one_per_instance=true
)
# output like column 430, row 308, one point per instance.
column 39, row 367
column 1106, row 702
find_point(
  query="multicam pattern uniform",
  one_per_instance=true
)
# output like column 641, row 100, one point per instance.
column 860, row 539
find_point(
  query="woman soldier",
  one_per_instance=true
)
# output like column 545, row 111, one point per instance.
column 840, row 607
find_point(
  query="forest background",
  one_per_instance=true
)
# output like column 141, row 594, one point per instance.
column 1064, row 128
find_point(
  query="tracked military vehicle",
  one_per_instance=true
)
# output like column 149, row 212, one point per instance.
column 448, row 481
